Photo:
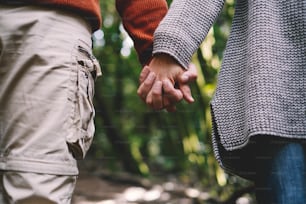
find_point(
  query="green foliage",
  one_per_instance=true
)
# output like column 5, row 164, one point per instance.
column 130, row 137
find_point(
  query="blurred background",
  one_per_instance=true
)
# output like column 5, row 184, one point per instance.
column 144, row 156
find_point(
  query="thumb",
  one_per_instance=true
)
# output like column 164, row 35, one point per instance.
column 189, row 75
column 185, row 89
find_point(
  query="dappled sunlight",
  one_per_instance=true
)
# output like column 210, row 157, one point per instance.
column 93, row 190
column 98, row 38
column 137, row 195
column 127, row 43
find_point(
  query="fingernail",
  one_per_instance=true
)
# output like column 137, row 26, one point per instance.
column 151, row 76
column 190, row 99
column 185, row 78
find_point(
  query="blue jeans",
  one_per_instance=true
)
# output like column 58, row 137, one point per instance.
column 280, row 168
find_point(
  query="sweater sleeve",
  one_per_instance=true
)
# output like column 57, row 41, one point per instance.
column 140, row 19
column 184, row 28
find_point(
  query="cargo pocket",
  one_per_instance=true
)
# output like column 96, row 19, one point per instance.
column 82, row 128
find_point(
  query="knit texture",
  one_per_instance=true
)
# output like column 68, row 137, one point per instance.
column 140, row 18
column 261, row 86
column 185, row 27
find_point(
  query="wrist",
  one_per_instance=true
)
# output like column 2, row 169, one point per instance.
column 164, row 58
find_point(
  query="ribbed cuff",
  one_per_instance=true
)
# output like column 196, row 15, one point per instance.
column 181, row 50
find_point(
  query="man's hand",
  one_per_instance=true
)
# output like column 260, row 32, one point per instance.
column 164, row 83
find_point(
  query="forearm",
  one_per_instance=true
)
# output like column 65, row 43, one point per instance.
column 184, row 28
column 140, row 18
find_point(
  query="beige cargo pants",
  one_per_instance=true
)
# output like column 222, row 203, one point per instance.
column 47, row 74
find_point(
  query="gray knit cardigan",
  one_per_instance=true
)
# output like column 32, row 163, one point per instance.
column 261, row 86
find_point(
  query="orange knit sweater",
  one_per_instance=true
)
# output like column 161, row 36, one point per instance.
column 140, row 18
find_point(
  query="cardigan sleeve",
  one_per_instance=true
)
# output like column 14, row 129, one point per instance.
column 184, row 28
column 140, row 19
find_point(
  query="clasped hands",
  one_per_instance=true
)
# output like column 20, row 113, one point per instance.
column 164, row 82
